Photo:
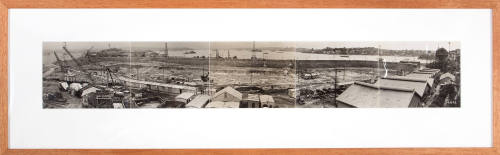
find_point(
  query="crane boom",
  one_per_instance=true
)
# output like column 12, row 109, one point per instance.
column 72, row 57
column 59, row 62
column 78, row 64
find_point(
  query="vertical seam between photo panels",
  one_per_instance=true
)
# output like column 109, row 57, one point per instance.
column 209, row 71
column 295, row 74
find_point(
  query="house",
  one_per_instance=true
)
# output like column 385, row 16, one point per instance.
column 250, row 101
column 199, row 101
column 228, row 94
column 365, row 95
column 267, row 101
column 219, row 104
column 184, row 97
column 421, row 86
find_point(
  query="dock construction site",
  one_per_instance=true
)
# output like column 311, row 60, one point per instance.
column 121, row 78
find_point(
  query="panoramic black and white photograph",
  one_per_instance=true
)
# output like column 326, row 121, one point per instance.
column 251, row 74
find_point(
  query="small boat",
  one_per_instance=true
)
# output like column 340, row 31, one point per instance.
column 190, row 52
column 344, row 56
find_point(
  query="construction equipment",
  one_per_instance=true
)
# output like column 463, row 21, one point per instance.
column 87, row 56
column 107, row 73
column 60, row 63
column 204, row 77
column 78, row 64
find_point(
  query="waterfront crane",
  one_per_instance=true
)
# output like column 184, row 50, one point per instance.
column 78, row 64
column 87, row 54
column 60, row 63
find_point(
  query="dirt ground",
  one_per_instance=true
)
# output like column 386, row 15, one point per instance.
column 71, row 101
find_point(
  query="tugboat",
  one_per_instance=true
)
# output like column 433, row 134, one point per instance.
column 190, row 52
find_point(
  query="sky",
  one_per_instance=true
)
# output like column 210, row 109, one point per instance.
column 415, row 45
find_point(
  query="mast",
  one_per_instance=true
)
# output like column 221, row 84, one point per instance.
column 254, row 56
column 166, row 49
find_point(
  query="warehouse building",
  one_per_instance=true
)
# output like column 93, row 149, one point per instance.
column 365, row 95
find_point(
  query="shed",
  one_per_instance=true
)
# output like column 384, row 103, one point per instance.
column 89, row 90
column 75, row 86
column 250, row 101
column 199, row 101
column 63, row 85
column 184, row 97
column 118, row 105
column 267, row 101
column 228, row 94
column 426, row 77
column 364, row 95
column 219, row 104
column 421, row 86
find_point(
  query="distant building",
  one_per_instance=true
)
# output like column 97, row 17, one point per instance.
column 364, row 95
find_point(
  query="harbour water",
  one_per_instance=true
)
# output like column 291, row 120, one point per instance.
column 265, row 54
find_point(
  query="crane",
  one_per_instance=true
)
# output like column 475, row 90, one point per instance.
column 87, row 54
column 59, row 62
column 78, row 64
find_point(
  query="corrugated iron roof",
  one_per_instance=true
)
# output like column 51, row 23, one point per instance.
column 230, row 90
column 418, row 85
column 252, row 97
column 198, row 102
column 266, row 99
column 219, row 104
column 423, row 76
column 185, row 95
column 364, row 95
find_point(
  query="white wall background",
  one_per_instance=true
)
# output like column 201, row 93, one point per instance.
column 30, row 126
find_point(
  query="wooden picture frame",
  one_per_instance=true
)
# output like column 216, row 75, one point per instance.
column 5, row 5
